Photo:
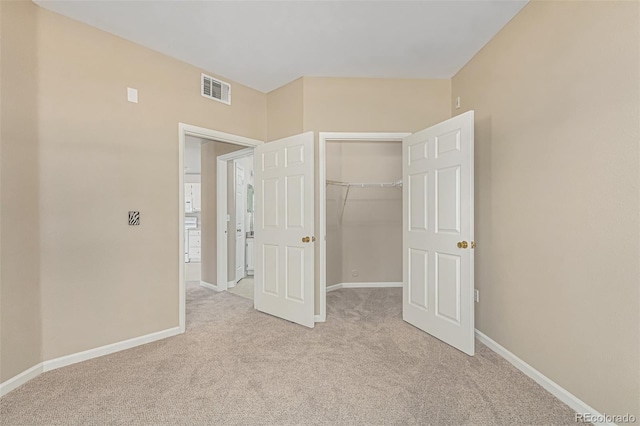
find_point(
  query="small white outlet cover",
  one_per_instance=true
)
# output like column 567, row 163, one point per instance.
column 458, row 102
column 476, row 295
column 132, row 95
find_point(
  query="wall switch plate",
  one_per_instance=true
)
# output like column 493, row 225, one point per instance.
column 132, row 95
column 476, row 295
column 134, row 218
column 458, row 102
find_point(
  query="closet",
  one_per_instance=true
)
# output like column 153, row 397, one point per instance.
column 363, row 213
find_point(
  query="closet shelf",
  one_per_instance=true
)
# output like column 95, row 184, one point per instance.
column 396, row 184
column 349, row 185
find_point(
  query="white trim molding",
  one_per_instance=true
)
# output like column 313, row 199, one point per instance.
column 108, row 349
column 390, row 284
column 210, row 286
column 552, row 387
column 323, row 138
column 20, row 379
column 64, row 361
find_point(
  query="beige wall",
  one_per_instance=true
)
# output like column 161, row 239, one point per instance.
column 557, row 183
column 335, row 196
column 369, row 231
column 102, row 280
column 209, row 163
column 20, row 325
column 374, row 105
column 356, row 105
column 285, row 110
column 556, row 95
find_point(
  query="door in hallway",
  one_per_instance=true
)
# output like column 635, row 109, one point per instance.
column 240, row 199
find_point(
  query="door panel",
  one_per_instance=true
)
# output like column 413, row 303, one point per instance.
column 447, row 287
column 418, row 185
column 295, row 274
column 438, row 214
column 447, row 199
column 295, row 209
column 417, row 279
column 270, row 212
column 270, row 263
column 284, row 269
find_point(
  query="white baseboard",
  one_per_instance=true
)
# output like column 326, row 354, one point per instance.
column 108, row 349
column 20, row 379
column 209, row 286
column 556, row 390
column 318, row 318
column 52, row 364
column 364, row 285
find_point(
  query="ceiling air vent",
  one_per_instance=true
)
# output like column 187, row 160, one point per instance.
column 215, row 89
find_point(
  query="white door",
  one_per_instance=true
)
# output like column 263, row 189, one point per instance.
column 284, row 224
column 239, row 220
column 437, row 291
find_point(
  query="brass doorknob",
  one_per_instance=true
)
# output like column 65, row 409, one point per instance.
column 463, row 244
column 306, row 239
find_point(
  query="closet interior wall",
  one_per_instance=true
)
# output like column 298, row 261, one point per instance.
column 364, row 234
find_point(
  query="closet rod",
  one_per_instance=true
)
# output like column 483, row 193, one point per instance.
column 395, row 184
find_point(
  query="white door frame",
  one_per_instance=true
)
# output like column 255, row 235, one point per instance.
column 185, row 130
column 325, row 137
column 221, row 204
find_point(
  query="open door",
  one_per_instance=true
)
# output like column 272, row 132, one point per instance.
column 438, row 241
column 284, row 224
column 240, row 235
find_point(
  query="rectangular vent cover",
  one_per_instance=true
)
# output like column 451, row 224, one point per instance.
column 213, row 88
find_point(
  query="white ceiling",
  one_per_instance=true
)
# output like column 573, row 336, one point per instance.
column 265, row 44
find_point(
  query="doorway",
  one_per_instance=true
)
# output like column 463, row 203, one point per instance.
column 342, row 189
column 437, row 220
column 186, row 131
column 235, row 204
column 193, row 211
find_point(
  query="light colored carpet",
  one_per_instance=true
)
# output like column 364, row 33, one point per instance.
column 244, row 288
column 191, row 285
column 237, row 366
